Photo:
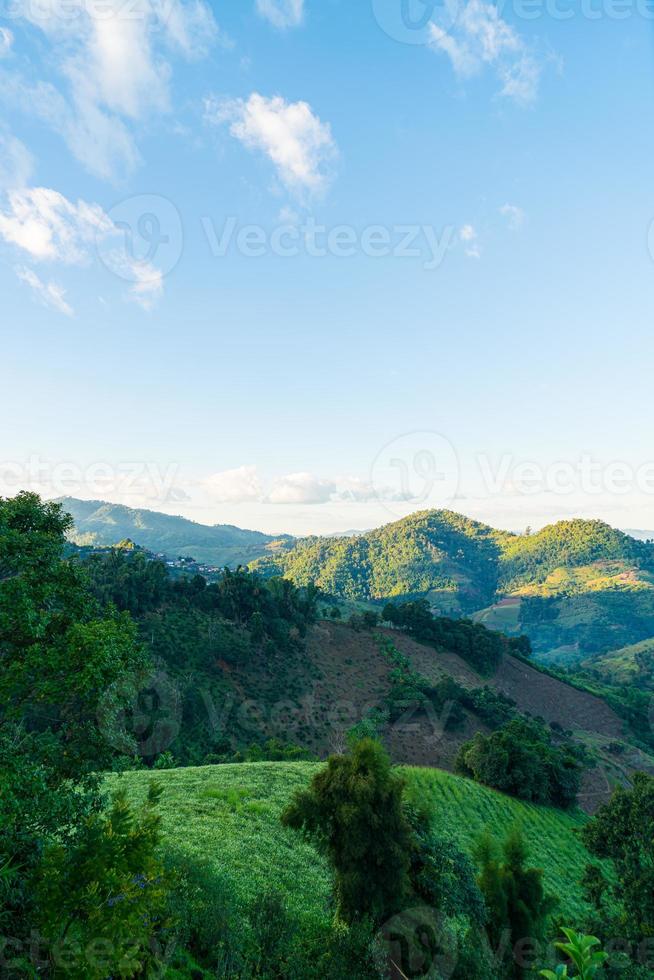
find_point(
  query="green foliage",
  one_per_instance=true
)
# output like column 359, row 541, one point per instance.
column 60, row 652
column 520, row 759
column 623, row 830
column 199, row 632
column 431, row 551
column 516, row 903
column 101, row 899
column 442, row 876
column 530, row 558
column 353, row 813
column 446, row 697
column 481, row 648
column 579, row 949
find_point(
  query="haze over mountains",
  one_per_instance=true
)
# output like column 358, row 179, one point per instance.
column 100, row 523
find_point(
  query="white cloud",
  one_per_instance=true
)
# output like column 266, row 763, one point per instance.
column 282, row 13
column 47, row 225
column 468, row 236
column 299, row 144
column 50, row 293
column 514, row 215
column 147, row 287
column 16, row 162
column 521, row 79
column 6, row 41
column 245, row 485
column 481, row 38
column 50, row 228
column 234, row 486
column 301, row 488
column 113, row 64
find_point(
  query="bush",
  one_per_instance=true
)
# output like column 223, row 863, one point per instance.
column 519, row 759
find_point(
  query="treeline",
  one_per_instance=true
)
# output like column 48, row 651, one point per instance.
column 481, row 648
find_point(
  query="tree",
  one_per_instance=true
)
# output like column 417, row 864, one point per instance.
column 102, row 898
column 59, row 653
column 353, row 813
column 60, row 650
column 520, row 759
column 516, row 903
column 623, row 830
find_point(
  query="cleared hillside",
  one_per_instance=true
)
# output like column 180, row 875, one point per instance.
column 228, row 818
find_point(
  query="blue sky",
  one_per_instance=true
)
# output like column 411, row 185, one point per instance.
column 159, row 352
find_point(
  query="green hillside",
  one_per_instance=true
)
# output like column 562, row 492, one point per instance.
column 101, row 523
column 228, row 818
column 528, row 559
column 628, row 664
column 577, row 588
column 451, row 559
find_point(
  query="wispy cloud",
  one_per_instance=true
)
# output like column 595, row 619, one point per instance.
column 16, row 162
column 282, row 13
column 290, row 134
column 6, row 41
column 50, row 293
column 480, row 38
column 469, row 237
column 46, row 225
column 49, row 228
column 514, row 215
column 113, row 67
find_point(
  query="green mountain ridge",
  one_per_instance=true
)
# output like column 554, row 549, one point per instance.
column 100, row 523
column 578, row 588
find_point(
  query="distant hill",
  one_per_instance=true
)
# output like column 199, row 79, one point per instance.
column 640, row 534
column 577, row 588
column 450, row 559
column 101, row 523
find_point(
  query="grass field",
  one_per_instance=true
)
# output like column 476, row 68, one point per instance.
column 228, row 817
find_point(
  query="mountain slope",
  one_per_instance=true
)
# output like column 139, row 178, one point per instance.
column 227, row 817
column 101, row 523
column 450, row 559
column 577, row 588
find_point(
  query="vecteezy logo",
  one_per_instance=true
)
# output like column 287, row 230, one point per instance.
column 416, row 943
column 146, row 238
column 418, row 468
column 414, row 21
column 141, row 714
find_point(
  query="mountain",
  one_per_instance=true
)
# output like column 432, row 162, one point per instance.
column 101, row 523
column 449, row 559
column 577, row 588
column 640, row 534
